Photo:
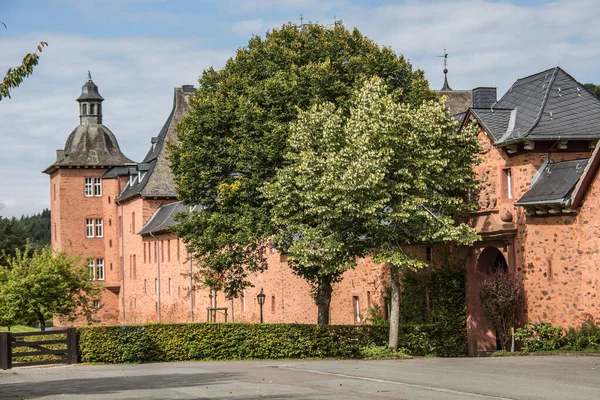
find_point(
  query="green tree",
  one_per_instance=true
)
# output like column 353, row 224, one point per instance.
column 595, row 89
column 43, row 283
column 12, row 238
column 385, row 176
column 234, row 136
column 14, row 76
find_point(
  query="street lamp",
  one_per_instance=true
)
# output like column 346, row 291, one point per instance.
column 261, row 300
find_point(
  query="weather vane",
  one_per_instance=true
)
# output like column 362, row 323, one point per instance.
column 89, row 76
column 446, row 85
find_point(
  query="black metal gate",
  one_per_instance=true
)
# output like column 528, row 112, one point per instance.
column 38, row 348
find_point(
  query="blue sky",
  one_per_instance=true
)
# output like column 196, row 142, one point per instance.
column 139, row 50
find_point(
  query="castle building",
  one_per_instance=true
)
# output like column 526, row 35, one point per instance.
column 538, row 202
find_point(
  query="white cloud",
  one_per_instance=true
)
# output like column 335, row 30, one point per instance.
column 136, row 76
column 489, row 43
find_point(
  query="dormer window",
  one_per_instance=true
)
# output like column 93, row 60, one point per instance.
column 84, row 108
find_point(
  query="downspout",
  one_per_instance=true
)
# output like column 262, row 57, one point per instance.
column 122, row 264
column 191, row 289
column 158, row 273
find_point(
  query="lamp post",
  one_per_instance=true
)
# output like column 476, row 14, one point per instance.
column 261, row 300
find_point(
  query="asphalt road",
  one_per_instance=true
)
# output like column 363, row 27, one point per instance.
column 428, row 378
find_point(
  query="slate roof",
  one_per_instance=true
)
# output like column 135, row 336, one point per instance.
column 457, row 101
column 90, row 145
column 162, row 218
column 554, row 183
column 494, row 121
column 89, row 91
column 152, row 177
column 549, row 105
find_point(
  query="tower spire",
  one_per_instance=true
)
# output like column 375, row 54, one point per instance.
column 446, row 85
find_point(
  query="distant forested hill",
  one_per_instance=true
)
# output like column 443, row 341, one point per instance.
column 37, row 227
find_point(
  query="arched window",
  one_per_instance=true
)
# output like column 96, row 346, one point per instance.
column 99, row 109
column 84, row 109
column 92, row 109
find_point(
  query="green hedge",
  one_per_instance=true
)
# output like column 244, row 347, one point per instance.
column 205, row 341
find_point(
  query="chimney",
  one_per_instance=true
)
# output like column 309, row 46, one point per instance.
column 484, row 97
column 187, row 89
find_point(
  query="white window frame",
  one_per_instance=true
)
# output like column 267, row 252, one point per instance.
column 509, row 194
column 99, row 229
column 98, row 187
column 96, row 304
column 99, row 269
column 88, row 189
column 89, row 228
column 92, row 268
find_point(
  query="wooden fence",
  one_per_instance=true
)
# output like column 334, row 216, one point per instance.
column 38, row 348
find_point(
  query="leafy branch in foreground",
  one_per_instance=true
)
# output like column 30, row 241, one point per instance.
column 14, row 76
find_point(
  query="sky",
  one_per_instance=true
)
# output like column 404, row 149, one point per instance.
column 139, row 50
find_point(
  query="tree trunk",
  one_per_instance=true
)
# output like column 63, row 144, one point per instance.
column 395, row 311
column 324, row 291
column 42, row 321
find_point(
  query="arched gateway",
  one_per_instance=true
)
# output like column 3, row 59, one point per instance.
column 481, row 333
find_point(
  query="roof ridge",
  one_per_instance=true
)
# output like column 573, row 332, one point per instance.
column 544, row 101
column 537, row 73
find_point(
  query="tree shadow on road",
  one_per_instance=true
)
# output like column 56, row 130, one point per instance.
column 107, row 385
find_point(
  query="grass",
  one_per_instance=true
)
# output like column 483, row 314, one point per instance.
column 18, row 329
column 502, row 353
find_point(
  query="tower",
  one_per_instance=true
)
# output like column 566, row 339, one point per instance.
column 84, row 216
column 90, row 103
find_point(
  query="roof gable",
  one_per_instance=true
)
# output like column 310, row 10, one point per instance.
column 549, row 105
column 154, row 178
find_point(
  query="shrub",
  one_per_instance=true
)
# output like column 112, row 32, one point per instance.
column 501, row 297
column 433, row 300
column 374, row 352
column 206, row 341
column 375, row 316
column 540, row 336
column 585, row 338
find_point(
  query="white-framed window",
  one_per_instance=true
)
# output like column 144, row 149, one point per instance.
column 91, row 268
column 507, row 183
column 88, row 189
column 99, row 269
column 96, row 268
column 99, row 228
column 97, row 187
column 89, row 227
column 96, row 303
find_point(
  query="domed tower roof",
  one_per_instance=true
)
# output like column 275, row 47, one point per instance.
column 91, row 144
column 89, row 91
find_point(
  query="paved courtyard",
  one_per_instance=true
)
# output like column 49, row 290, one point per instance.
column 427, row 378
